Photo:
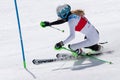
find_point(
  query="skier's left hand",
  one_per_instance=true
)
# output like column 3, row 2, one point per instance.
column 59, row 45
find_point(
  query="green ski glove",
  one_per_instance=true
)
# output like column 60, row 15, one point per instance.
column 44, row 24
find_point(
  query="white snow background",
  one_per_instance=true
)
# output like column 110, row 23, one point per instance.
column 39, row 42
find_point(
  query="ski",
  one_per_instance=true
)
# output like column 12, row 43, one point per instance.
column 41, row 61
column 67, row 57
column 59, row 57
column 73, row 56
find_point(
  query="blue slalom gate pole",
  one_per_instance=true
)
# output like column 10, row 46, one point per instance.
column 21, row 41
column 20, row 34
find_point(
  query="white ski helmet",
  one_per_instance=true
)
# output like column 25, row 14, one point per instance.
column 63, row 11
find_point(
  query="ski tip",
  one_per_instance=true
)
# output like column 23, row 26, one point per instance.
column 33, row 61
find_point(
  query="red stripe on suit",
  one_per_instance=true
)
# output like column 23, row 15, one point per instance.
column 81, row 24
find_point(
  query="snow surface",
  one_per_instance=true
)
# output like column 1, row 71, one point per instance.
column 39, row 43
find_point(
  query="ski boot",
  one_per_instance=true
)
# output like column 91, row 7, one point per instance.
column 95, row 49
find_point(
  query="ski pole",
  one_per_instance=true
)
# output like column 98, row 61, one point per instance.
column 42, row 24
column 98, row 59
column 57, row 29
column 92, row 57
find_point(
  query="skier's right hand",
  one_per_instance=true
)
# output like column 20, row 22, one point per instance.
column 59, row 45
column 45, row 24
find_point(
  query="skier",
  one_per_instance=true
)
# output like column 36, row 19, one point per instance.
column 77, row 22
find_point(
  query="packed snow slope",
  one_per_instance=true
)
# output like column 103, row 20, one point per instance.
column 39, row 42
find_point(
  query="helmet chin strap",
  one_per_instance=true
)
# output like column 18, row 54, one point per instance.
column 68, row 15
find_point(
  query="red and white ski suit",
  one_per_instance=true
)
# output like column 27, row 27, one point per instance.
column 81, row 24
